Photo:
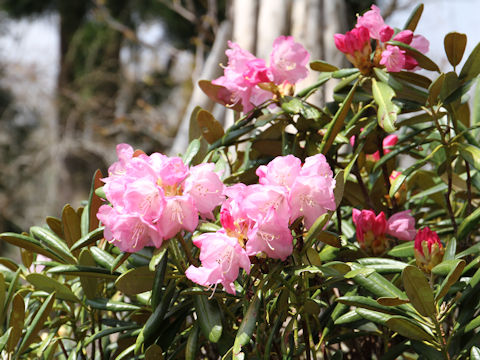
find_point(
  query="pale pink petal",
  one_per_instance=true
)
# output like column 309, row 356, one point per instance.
column 280, row 171
column 402, row 226
column 288, row 60
column 393, row 58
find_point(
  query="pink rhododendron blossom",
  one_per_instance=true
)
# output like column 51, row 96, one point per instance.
column 372, row 230
column 316, row 165
column 311, row 197
column 221, row 257
column 288, row 61
column 280, row 171
column 428, row 249
column 356, row 40
column 402, row 226
column 154, row 197
column 288, row 65
column 420, row 43
column 393, row 58
column 206, row 189
column 374, row 22
column 270, row 236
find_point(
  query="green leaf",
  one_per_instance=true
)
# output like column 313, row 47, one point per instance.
column 383, row 266
column 471, row 68
column 445, row 267
column 54, row 243
column 337, row 122
column 89, row 285
column 135, row 281
column 70, row 225
column 4, row 338
column 387, row 110
column 126, row 354
column 192, row 343
column 471, row 154
column 37, row 323
column 209, row 317
column 247, row 326
column 16, row 322
column 408, row 328
column 414, row 18
column 111, row 305
column 30, row 244
column 475, row 353
column 365, row 303
column 154, row 352
column 210, row 128
column 322, row 66
column 348, row 318
column 450, row 249
column 451, row 279
column 373, row 316
column 56, row 225
column 87, row 271
column 403, row 250
column 45, row 283
column 423, row 61
column 339, row 187
column 434, row 90
column 316, row 229
column 103, row 258
column 392, row 301
column 192, row 150
column 89, row 221
column 377, row 285
column 88, row 239
column 426, row 351
column 8, row 298
column 345, row 72
column 418, row 291
column 109, row 331
column 469, row 224
column 455, row 44
column 159, row 280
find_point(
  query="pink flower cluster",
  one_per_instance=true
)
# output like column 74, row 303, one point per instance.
column 154, row 197
column 245, row 72
column 255, row 219
column 356, row 43
column 372, row 230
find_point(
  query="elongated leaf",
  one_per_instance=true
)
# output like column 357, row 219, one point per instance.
column 192, row 150
column 450, row 249
column 471, row 154
column 125, row 354
column 365, row 303
column 475, row 353
column 210, row 128
column 45, row 283
column 3, row 293
column 391, row 301
column 469, row 224
column 192, row 343
column 472, row 65
column 87, row 271
column 427, row 352
column 378, row 285
column 89, row 285
column 50, row 240
column 89, row 238
column 209, row 317
column 451, row 279
column 111, row 305
column 374, row 316
column 337, row 122
column 154, row 352
column 418, row 291
column 30, row 244
column 402, row 250
column 319, row 65
column 4, row 338
column 316, row 229
column 37, row 323
column 159, row 280
column 414, row 18
column 16, row 322
column 387, row 110
column 247, row 326
column 445, row 267
column 56, row 225
column 348, row 318
column 109, row 331
column 9, row 295
column 435, row 89
column 408, row 328
column 455, row 44
column 383, row 265
column 102, row 257
column 135, row 281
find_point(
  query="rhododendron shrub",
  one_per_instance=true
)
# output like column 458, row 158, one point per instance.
column 304, row 231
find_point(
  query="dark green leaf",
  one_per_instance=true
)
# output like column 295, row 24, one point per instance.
column 16, row 322
column 322, row 66
column 451, row 279
column 402, row 250
column 192, row 150
column 247, row 326
column 387, row 110
column 30, row 244
column 50, row 285
column 418, row 291
column 455, row 44
column 210, row 128
column 209, row 317
column 111, row 305
column 135, row 281
column 414, row 17
column 50, row 240
column 472, row 66
column 89, row 238
column 408, row 328
column 469, row 224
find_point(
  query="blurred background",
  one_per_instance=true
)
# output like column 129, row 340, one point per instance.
column 77, row 77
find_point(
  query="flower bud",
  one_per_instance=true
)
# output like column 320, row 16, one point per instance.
column 428, row 249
